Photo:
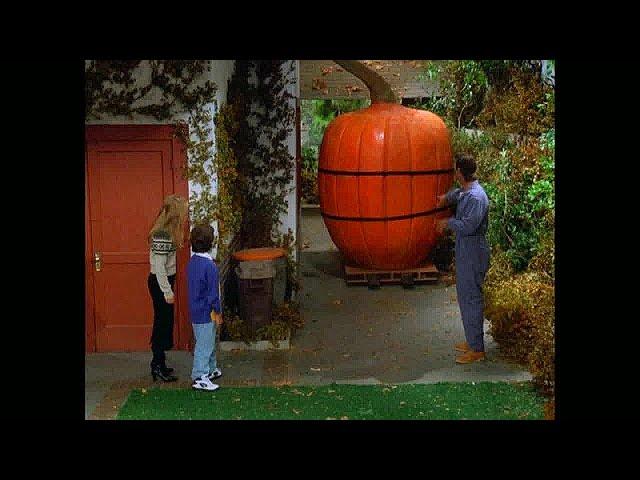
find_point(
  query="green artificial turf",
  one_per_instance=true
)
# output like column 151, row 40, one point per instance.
column 447, row 401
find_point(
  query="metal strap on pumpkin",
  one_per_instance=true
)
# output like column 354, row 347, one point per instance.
column 385, row 173
column 385, row 219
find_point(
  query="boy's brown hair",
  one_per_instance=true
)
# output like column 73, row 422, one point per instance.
column 202, row 238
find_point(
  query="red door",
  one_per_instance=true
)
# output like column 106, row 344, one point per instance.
column 129, row 171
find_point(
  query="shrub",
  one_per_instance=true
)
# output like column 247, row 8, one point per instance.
column 274, row 332
column 310, row 186
column 550, row 409
column 289, row 314
column 521, row 310
column 237, row 329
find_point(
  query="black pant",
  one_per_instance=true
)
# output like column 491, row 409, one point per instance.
column 162, row 334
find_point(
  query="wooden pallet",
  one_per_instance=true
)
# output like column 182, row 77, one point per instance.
column 375, row 278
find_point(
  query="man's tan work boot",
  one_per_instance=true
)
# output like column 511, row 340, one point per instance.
column 463, row 347
column 470, row 357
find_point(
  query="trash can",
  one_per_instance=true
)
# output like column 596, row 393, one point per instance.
column 255, row 293
column 278, row 258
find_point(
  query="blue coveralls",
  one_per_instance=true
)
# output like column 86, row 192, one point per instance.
column 472, row 258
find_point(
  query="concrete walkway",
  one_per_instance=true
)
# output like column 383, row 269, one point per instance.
column 351, row 335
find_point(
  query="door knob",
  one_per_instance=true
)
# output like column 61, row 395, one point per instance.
column 97, row 260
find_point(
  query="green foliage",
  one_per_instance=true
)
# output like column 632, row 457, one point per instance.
column 229, row 202
column 289, row 314
column 511, row 107
column 285, row 319
column 287, row 241
column 237, row 329
column 111, row 87
column 522, row 313
column 274, row 332
column 265, row 166
column 463, row 85
column 309, row 173
column 317, row 114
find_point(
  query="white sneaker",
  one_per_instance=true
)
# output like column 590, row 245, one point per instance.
column 217, row 373
column 203, row 383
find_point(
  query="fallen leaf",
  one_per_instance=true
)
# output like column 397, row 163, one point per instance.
column 144, row 390
column 344, row 418
column 314, row 369
column 296, row 411
column 331, row 418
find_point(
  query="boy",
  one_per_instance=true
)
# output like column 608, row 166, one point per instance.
column 204, row 306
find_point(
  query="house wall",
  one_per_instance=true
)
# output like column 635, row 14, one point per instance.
column 220, row 73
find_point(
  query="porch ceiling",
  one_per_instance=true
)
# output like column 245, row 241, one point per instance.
column 324, row 79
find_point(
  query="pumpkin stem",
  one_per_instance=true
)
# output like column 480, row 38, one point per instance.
column 379, row 89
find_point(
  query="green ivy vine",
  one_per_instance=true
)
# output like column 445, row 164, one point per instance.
column 251, row 163
column 111, row 87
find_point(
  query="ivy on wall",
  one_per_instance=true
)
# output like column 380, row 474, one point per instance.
column 115, row 87
column 255, row 167
column 111, row 87
column 251, row 161
column 266, row 166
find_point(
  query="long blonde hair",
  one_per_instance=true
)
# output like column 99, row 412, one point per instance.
column 171, row 219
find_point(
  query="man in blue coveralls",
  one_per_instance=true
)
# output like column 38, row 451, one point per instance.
column 472, row 254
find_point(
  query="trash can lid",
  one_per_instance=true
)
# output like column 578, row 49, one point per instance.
column 259, row 254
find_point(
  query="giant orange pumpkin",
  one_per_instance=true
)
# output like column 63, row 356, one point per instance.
column 381, row 170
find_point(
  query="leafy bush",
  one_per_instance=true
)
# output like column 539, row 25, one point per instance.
column 289, row 314
column 521, row 309
column 310, row 174
column 274, row 332
column 236, row 329
column 511, row 109
column 318, row 114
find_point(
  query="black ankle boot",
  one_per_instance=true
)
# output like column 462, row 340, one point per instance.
column 158, row 372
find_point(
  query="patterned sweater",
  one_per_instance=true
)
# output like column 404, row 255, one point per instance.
column 162, row 258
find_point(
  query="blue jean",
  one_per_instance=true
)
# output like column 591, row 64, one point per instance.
column 204, row 353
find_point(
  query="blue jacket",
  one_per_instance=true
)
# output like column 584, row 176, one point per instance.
column 203, row 288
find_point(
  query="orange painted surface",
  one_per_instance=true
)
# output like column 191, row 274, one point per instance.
column 130, row 169
column 382, row 139
column 259, row 254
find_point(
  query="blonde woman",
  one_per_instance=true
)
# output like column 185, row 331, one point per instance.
column 165, row 238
